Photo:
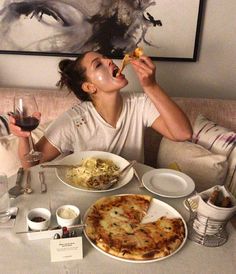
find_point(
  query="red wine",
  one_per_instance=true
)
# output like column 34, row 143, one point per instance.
column 27, row 123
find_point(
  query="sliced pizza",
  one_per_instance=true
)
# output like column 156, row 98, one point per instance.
column 114, row 224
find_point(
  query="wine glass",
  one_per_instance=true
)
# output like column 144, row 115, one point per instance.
column 25, row 114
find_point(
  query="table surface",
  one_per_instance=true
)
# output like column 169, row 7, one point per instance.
column 20, row 255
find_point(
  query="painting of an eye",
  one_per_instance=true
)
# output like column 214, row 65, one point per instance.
column 114, row 27
column 48, row 16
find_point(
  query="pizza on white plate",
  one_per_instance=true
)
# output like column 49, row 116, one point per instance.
column 114, row 224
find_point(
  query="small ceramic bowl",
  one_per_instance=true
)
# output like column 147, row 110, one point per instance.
column 67, row 215
column 38, row 219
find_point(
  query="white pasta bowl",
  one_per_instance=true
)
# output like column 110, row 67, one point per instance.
column 67, row 215
column 77, row 158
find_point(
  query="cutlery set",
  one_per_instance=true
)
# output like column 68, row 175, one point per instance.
column 19, row 189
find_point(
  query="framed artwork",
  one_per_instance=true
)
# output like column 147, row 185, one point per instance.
column 165, row 29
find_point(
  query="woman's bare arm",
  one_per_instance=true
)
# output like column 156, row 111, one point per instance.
column 172, row 121
column 48, row 150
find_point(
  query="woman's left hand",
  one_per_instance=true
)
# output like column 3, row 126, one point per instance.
column 145, row 70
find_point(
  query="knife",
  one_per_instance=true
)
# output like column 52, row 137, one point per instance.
column 17, row 189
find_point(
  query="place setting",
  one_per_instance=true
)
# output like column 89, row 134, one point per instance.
column 137, row 218
column 77, row 169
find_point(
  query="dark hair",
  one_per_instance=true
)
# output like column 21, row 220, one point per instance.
column 73, row 75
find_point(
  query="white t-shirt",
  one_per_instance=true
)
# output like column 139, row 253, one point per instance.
column 81, row 128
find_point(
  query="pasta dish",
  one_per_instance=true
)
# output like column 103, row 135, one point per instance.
column 93, row 171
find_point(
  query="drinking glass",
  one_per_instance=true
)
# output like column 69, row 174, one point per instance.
column 25, row 109
column 4, row 199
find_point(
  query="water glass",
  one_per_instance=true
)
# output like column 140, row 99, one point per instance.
column 4, row 199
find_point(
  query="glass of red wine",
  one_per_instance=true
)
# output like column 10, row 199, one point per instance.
column 25, row 114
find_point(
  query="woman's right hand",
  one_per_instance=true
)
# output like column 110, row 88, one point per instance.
column 15, row 130
column 145, row 70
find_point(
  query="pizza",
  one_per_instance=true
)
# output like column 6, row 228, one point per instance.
column 137, row 53
column 114, row 224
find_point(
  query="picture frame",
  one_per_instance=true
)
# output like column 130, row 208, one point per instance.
column 167, row 30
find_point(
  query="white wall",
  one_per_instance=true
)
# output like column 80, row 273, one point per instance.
column 212, row 76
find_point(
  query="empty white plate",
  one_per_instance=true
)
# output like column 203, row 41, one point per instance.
column 168, row 183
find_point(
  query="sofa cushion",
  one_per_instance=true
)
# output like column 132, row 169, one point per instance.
column 213, row 137
column 204, row 167
column 220, row 111
column 219, row 140
column 230, row 181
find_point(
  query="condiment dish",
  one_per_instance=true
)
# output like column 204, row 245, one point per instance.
column 67, row 215
column 38, row 219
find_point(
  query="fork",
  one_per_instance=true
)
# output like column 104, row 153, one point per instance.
column 42, row 181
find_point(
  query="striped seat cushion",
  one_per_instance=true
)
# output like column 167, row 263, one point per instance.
column 220, row 140
column 213, row 137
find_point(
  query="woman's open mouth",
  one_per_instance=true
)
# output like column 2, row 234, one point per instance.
column 115, row 71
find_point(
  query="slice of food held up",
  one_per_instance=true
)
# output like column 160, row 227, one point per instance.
column 137, row 53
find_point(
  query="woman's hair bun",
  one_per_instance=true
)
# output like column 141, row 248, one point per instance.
column 64, row 64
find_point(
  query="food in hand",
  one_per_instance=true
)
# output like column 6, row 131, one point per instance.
column 114, row 224
column 137, row 53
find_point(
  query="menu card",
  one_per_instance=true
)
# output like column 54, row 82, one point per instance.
column 66, row 249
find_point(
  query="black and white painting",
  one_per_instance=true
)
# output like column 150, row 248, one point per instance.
column 165, row 29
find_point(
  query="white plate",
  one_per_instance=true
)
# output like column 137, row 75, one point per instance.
column 76, row 158
column 156, row 210
column 168, row 183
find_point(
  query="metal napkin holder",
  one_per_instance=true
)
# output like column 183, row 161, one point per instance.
column 203, row 237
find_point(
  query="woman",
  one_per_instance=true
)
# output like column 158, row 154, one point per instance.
column 107, row 119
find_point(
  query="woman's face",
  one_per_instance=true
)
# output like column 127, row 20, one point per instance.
column 101, row 71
